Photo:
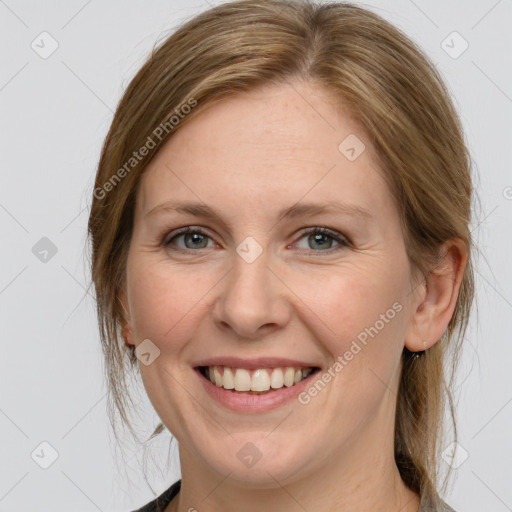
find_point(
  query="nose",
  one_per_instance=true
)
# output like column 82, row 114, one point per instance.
column 252, row 301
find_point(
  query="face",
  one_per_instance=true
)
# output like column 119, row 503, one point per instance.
column 255, row 290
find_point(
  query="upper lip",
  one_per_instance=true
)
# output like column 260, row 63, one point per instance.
column 254, row 363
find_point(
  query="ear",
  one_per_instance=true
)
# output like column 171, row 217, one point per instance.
column 126, row 321
column 437, row 297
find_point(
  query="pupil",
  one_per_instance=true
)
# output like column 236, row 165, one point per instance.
column 318, row 237
column 196, row 237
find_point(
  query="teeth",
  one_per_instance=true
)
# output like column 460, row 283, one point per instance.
column 217, row 376
column 242, row 380
column 277, row 379
column 228, row 379
column 289, row 377
column 260, row 380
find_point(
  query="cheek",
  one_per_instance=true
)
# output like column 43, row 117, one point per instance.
column 359, row 316
column 366, row 317
column 351, row 303
column 165, row 299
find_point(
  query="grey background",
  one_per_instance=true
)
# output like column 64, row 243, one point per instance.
column 55, row 113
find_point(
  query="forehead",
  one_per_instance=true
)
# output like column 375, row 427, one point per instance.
column 274, row 145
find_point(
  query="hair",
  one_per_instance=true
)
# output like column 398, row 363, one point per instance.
column 390, row 87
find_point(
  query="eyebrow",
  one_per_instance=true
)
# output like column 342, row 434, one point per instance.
column 296, row 210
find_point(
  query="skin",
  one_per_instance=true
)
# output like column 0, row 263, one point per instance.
column 248, row 157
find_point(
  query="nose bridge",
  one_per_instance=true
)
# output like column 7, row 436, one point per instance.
column 252, row 295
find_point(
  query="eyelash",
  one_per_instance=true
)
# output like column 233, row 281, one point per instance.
column 343, row 241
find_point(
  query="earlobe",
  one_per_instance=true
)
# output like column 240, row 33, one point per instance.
column 126, row 322
column 127, row 334
column 438, row 297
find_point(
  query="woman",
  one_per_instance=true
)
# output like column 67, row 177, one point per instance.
column 280, row 235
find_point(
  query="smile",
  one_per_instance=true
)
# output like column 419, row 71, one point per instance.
column 256, row 389
column 260, row 380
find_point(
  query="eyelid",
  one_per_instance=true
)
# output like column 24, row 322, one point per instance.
column 183, row 231
column 342, row 240
column 326, row 231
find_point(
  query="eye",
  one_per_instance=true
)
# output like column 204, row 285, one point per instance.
column 318, row 239
column 322, row 238
column 194, row 238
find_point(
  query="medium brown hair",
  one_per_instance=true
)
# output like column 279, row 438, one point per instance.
column 396, row 95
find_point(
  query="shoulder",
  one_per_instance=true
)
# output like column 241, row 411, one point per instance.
column 161, row 502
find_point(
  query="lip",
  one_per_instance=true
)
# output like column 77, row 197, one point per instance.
column 254, row 363
column 249, row 403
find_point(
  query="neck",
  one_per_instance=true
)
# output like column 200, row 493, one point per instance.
column 356, row 486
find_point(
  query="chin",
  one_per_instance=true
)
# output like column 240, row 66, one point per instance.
column 255, row 461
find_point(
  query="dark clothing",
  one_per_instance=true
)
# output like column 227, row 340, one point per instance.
column 160, row 503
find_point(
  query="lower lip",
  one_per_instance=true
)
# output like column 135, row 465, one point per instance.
column 251, row 403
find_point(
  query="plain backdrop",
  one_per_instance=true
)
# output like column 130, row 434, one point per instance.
column 55, row 113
